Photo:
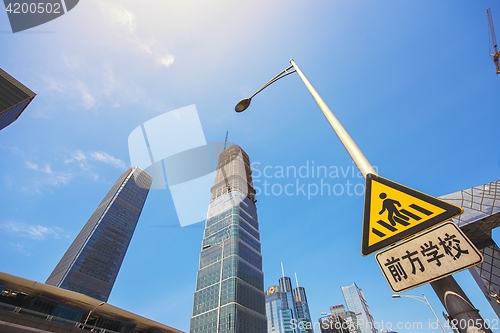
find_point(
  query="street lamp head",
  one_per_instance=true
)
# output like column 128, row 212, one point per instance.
column 242, row 105
column 396, row 296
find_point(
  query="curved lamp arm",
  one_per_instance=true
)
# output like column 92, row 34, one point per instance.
column 245, row 102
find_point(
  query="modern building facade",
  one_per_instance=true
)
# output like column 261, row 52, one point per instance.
column 339, row 321
column 32, row 307
column 481, row 215
column 91, row 263
column 14, row 98
column 300, row 300
column 356, row 302
column 280, row 308
column 229, row 293
column 287, row 310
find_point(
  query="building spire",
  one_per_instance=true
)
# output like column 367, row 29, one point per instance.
column 296, row 280
column 282, row 270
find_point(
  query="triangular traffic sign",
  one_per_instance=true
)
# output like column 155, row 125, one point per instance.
column 394, row 212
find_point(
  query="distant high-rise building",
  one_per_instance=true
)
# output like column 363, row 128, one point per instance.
column 229, row 293
column 91, row 263
column 280, row 308
column 300, row 300
column 332, row 324
column 339, row 321
column 287, row 311
column 14, row 98
column 356, row 302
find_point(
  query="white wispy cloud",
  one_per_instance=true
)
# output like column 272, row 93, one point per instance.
column 155, row 50
column 20, row 248
column 52, row 178
column 78, row 158
column 52, row 84
column 94, row 78
column 110, row 81
column 108, row 159
column 74, row 165
column 84, row 93
column 59, row 179
column 72, row 61
column 166, row 61
column 70, row 87
column 118, row 15
column 83, row 159
column 32, row 166
column 64, row 168
column 35, row 232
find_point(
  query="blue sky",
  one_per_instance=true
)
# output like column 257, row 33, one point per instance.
column 411, row 81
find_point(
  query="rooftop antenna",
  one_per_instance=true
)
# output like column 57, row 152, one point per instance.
column 282, row 270
column 495, row 55
column 296, row 280
column 225, row 141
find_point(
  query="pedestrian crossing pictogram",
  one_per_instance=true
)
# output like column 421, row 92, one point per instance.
column 393, row 212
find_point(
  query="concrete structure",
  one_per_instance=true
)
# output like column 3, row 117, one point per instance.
column 91, row 263
column 229, row 293
column 481, row 206
column 32, row 307
column 14, row 98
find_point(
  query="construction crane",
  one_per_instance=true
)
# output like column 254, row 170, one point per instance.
column 225, row 141
column 496, row 54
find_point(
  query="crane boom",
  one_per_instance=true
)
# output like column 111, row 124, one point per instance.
column 496, row 54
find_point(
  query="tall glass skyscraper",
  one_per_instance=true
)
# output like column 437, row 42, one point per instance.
column 91, row 263
column 356, row 302
column 14, row 98
column 280, row 308
column 300, row 300
column 229, row 293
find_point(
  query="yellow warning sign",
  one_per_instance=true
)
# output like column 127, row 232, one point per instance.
column 393, row 212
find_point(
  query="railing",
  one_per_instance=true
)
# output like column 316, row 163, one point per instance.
column 51, row 318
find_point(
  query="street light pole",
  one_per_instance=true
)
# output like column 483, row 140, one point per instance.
column 220, row 286
column 221, row 245
column 424, row 300
column 447, row 289
column 88, row 316
column 357, row 156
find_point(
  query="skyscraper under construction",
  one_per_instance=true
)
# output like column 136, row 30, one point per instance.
column 229, row 293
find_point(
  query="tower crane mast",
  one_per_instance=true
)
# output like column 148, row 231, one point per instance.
column 495, row 55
